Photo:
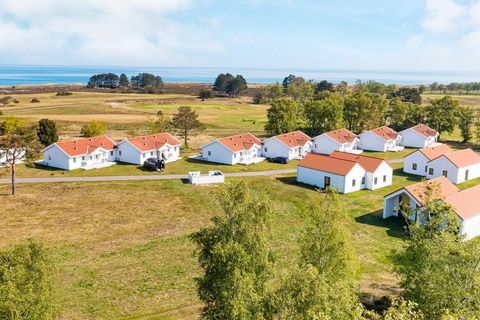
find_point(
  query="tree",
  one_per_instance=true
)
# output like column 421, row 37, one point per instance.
column 282, row 116
column 236, row 86
column 93, row 129
column 205, row 94
column 409, row 94
column 47, row 132
column 301, row 91
column 222, row 81
column 27, row 282
column 11, row 125
column 4, row 101
column 186, row 123
column 364, row 111
column 147, row 82
column 19, row 143
column 441, row 114
column 324, row 85
column 320, row 287
column 466, row 117
column 324, row 115
column 103, row 80
column 438, row 271
column 288, row 80
column 235, row 258
column 161, row 124
column 402, row 115
column 268, row 93
column 123, row 81
column 477, row 125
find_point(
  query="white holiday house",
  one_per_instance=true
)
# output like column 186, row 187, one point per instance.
column 341, row 140
column 380, row 139
column 417, row 161
column 84, row 153
column 137, row 150
column 8, row 156
column 242, row 149
column 458, row 166
column 419, row 136
column 464, row 203
column 344, row 171
column 292, row 145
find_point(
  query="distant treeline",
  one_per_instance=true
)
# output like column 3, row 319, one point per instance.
column 143, row 82
column 454, row 87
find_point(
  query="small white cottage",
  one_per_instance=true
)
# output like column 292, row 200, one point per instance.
column 344, row 171
column 416, row 162
column 341, row 140
column 7, row 156
column 137, row 150
column 465, row 203
column 380, row 139
column 84, row 153
column 419, row 136
column 458, row 166
column 242, row 149
column 292, row 145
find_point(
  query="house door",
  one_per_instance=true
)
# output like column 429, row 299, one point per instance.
column 326, row 182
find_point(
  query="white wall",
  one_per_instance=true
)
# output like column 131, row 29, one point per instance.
column 439, row 165
column 372, row 142
column 129, row 154
column 218, row 153
column 324, row 144
column 317, row 178
column 273, row 148
column 357, row 174
column 55, row 157
column 413, row 139
column 471, row 227
column 418, row 158
column 383, row 170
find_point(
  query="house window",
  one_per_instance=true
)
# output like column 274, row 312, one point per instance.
column 111, row 153
column 430, row 171
column 414, row 166
column 151, row 153
column 209, row 153
column 425, row 168
column 91, row 157
column 96, row 156
column 375, row 181
column 144, row 155
column 466, row 175
column 119, row 152
column 265, row 148
column 74, row 160
column 83, row 158
column 445, row 173
column 234, row 155
column 49, row 157
column 353, row 182
column 384, row 178
column 363, row 180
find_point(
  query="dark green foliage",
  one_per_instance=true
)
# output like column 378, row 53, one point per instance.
column 205, row 94
column 147, row 83
column 324, row 85
column 288, row 80
column 466, row 119
column 324, row 115
column 282, row 116
column 34, row 100
column 235, row 258
column 27, row 283
column 409, row 94
column 441, row 114
column 402, row 115
column 123, row 81
column 47, row 132
column 185, row 122
column 103, row 80
column 364, row 111
column 222, row 81
column 236, row 86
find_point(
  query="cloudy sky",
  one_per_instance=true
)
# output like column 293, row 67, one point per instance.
column 380, row 34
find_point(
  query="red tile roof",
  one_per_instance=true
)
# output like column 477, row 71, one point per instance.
column 293, row 139
column 463, row 158
column 385, row 133
column 445, row 189
column 465, row 203
column 240, row 142
column 370, row 164
column 327, row 164
column 153, row 141
column 424, row 130
column 342, row 135
column 85, row 145
column 434, row 152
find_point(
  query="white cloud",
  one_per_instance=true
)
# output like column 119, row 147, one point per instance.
column 139, row 32
column 443, row 15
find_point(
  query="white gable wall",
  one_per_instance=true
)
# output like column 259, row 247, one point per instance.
column 55, row 157
column 372, row 142
column 273, row 148
column 357, row 173
column 128, row 153
column 384, row 171
column 415, row 158
column 414, row 139
column 439, row 165
column 317, row 178
column 473, row 172
column 217, row 152
column 325, row 145
column 471, row 227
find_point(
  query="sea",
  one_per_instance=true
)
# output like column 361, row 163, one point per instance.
column 24, row 75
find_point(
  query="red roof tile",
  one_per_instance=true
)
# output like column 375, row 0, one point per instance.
column 435, row 152
column 293, row 139
column 327, row 164
column 342, row 135
column 85, row 145
column 370, row 164
column 463, row 158
column 424, row 130
column 153, row 141
column 240, row 142
column 385, row 133
column 465, row 203
column 445, row 189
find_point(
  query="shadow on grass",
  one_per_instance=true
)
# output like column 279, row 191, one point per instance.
column 395, row 226
column 293, row 182
column 206, row 163
column 462, row 145
column 410, row 177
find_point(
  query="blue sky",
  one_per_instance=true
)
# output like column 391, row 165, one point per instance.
column 349, row 34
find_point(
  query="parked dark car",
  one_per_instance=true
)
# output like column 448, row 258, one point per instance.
column 154, row 164
column 282, row 160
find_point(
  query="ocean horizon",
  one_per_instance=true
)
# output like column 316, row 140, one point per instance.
column 36, row 75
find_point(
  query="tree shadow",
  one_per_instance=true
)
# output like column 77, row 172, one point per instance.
column 206, row 163
column 395, row 226
column 293, row 182
column 410, row 177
